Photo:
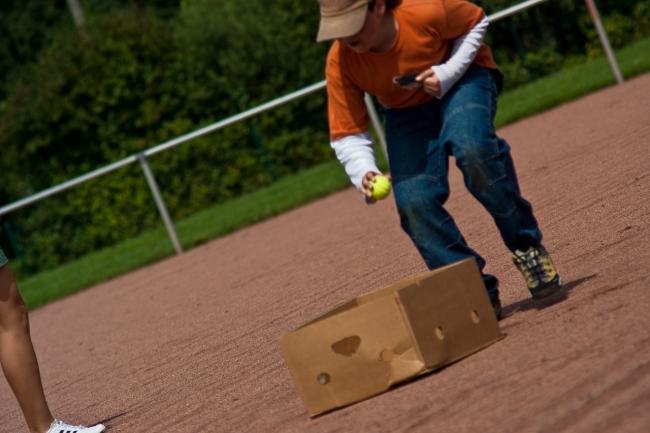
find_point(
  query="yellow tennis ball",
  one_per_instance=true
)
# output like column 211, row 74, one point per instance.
column 380, row 187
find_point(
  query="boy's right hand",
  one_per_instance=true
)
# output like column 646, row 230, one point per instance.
column 366, row 185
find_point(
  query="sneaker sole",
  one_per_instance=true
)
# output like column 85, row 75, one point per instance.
column 552, row 288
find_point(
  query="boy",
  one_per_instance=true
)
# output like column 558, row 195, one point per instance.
column 19, row 362
column 447, row 107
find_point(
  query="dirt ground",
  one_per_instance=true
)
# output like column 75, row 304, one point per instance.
column 190, row 344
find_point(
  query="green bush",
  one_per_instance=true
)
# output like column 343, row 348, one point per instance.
column 133, row 80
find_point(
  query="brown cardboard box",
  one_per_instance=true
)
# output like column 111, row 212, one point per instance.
column 365, row 346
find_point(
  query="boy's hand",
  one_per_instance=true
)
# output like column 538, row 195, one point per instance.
column 366, row 185
column 430, row 82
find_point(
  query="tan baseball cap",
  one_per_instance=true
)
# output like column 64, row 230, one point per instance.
column 341, row 18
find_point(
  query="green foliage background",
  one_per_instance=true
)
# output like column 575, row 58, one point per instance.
column 141, row 73
column 559, row 33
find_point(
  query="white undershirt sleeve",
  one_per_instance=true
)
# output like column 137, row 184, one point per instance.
column 357, row 156
column 463, row 52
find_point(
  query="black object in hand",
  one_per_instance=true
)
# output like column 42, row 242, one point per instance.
column 406, row 79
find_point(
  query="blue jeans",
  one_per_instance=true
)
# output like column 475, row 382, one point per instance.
column 420, row 141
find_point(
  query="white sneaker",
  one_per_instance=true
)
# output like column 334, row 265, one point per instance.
column 61, row 427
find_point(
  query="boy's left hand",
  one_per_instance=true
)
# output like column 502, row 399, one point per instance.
column 430, row 82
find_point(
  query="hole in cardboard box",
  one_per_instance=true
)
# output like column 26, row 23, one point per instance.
column 440, row 333
column 475, row 317
column 347, row 346
column 387, row 355
column 323, row 378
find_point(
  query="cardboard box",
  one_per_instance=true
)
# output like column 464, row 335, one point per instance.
column 373, row 342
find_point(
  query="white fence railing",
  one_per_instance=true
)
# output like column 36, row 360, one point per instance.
column 374, row 118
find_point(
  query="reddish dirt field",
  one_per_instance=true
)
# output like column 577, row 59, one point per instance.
column 190, row 344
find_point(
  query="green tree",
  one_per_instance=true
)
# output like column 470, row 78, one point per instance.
column 25, row 29
column 136, row 80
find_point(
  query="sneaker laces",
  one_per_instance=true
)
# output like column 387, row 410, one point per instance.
column 536, row 265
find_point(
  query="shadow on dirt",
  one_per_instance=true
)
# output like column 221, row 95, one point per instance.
column 540, row 304
column 107, row 421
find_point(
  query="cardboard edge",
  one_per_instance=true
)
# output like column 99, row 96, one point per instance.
column 465, row 355
column 407, row 324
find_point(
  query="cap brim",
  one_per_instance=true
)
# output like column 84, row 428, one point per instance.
column 342, row 26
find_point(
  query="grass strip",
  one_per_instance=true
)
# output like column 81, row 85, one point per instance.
column 154, row 245
column 570, row 83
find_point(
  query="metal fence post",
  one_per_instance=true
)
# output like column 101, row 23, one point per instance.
column 376, row 123
column 602, row 34
column 162, row 208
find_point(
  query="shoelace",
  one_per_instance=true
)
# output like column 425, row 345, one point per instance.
column 533, row 264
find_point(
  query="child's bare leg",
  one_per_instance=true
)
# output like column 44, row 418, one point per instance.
column 17, row 355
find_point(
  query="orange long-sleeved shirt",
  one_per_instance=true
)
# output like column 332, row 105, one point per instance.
column 426, row 29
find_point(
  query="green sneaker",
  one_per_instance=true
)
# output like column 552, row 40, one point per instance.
column 538, row 270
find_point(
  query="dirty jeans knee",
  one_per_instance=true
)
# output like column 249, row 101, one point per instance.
column 487, row 180
column 494, row 184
